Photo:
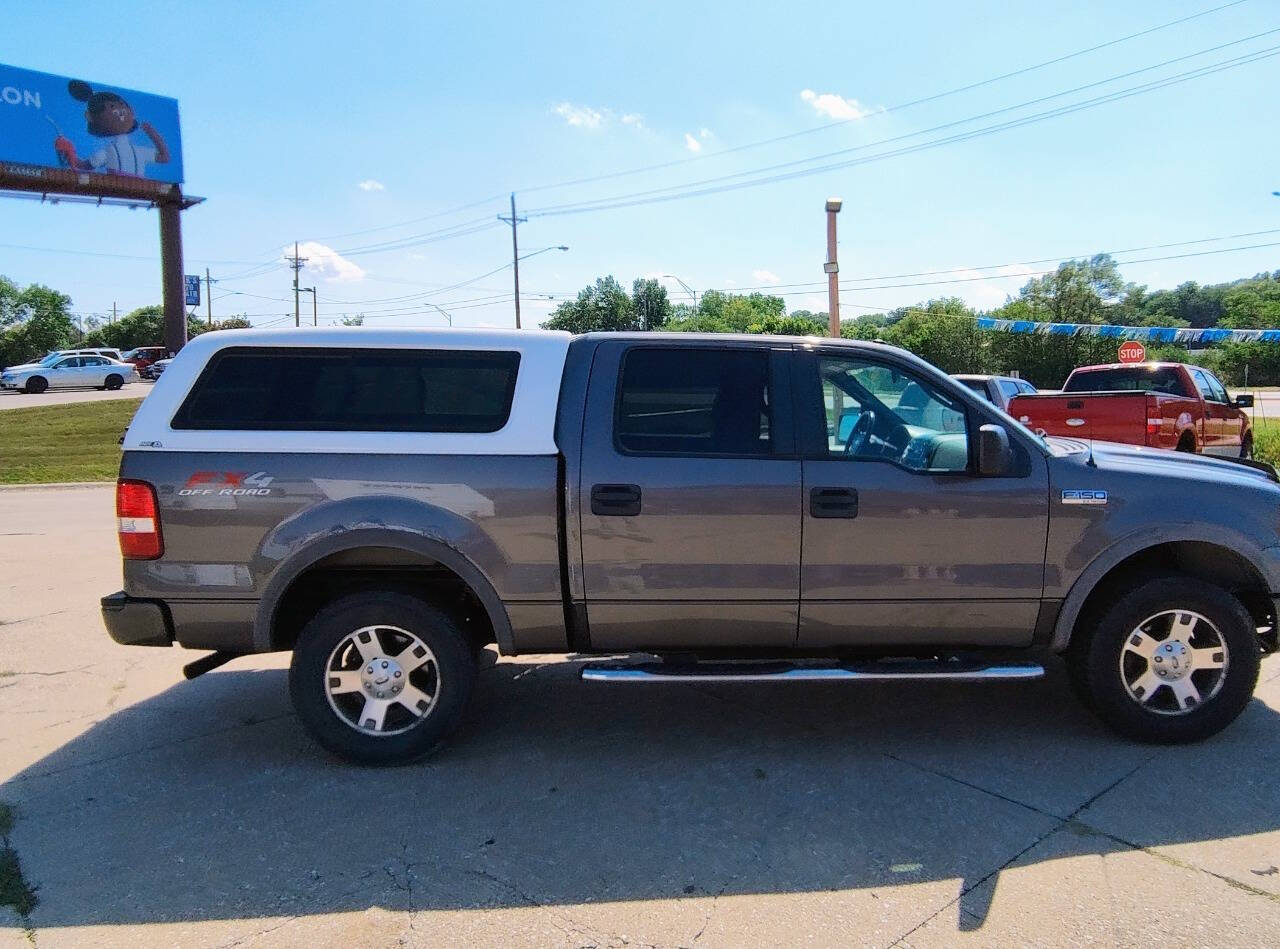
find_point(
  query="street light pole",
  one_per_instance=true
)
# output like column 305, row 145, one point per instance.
column 832, row 268
column 688, row 289
column 443, row 312
column 315, row 318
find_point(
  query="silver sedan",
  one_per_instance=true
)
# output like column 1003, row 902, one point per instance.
column 63, row 372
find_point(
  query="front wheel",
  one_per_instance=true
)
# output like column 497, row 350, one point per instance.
column 1175, row 660
column 1246, row 447
column 36, row 385
column 381, row 678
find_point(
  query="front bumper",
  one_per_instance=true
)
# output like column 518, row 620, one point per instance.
column 134, row 622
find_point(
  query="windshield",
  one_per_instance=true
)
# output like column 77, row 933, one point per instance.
column 129, row 355
column 50, row 359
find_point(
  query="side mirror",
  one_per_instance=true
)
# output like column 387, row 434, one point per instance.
column 1244, row 400
column 995, row 457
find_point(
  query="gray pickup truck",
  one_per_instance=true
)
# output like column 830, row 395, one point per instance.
column 387, row 503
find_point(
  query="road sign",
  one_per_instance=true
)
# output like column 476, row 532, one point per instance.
column 192, row 284
column 1132, row 352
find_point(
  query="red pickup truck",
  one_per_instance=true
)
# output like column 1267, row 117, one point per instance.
column 1158, row 404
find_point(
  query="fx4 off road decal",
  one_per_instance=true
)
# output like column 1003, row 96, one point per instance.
column 227, row 484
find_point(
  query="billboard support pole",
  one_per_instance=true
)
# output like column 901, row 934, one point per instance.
column 175, row 308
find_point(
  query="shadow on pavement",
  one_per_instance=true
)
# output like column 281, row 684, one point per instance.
column 208, row 802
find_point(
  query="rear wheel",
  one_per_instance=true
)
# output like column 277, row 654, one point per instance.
column 114, row 381
column 381, row 678
column 1187, row 443
column 1175, row 660
column 37, row 384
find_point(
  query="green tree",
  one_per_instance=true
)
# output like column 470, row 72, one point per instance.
column 793, row 325
column 1077, row 292
column 35, row 320
column 602, row 306
column 1253, row 305
column 650, row 302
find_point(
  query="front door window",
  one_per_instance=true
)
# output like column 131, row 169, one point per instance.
column 878, row 413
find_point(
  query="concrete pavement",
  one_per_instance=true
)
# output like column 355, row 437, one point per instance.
column 156, row 812
column 11, row 399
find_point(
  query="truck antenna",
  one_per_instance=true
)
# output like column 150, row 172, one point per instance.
column 1090, row 461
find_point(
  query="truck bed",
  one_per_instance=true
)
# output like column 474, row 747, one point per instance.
column 1129, row 417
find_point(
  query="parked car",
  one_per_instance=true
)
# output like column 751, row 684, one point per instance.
column 61, row 372
column 50, row 358
column 144, row 356
column 155, row 369
column 1155, row 404
column 383, row 503
column 998, row 390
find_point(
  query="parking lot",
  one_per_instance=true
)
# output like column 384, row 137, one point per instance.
column 156, row 812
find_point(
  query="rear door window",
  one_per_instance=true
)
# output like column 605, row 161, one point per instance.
column 351, row 390
column 694, row 401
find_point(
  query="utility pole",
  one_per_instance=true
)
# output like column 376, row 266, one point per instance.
column 515, row 252
column 832, row 268
column 208, row 298
column 113, row 312
column 296, row 263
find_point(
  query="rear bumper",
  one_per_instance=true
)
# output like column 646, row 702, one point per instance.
column 135, row 622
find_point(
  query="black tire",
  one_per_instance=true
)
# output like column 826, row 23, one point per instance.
column 114, row 382
column 309, row 676
column 36, row 385
column 1094, row 662
column 1246, row 447
column 1187, row 443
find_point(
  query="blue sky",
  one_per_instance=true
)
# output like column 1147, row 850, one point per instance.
column 288, row 109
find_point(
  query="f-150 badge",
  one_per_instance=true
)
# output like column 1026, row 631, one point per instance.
column 1084, row 497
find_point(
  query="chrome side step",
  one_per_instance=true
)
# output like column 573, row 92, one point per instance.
column 949, row 670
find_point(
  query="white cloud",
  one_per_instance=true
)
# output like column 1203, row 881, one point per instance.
column 692, row 143
column 370, row 184
column 326, row 262
column 836, row 106
column 634, row 120
column 766, row 276
column 582, row 116
column 705, row 132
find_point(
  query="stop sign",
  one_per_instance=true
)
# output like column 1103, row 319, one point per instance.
column 1132, row 352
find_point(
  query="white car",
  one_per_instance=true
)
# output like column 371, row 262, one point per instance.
column 64, row 372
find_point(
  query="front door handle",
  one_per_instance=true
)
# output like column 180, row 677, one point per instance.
column 615, row 500
column 833, row 502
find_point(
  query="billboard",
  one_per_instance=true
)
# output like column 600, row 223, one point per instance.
column 112, row 135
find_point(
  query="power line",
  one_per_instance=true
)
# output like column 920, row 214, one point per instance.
column 715, row 184
column 427, row 217
column 800, row 133
column 882, row 111
column 849, row 283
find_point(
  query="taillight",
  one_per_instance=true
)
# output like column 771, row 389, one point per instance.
column 1154, row 425
column 138, row 518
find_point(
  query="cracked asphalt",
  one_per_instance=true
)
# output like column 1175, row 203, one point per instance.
column 156, row 812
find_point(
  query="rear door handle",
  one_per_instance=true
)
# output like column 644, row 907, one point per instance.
column 615, row 500
column 833, row 502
